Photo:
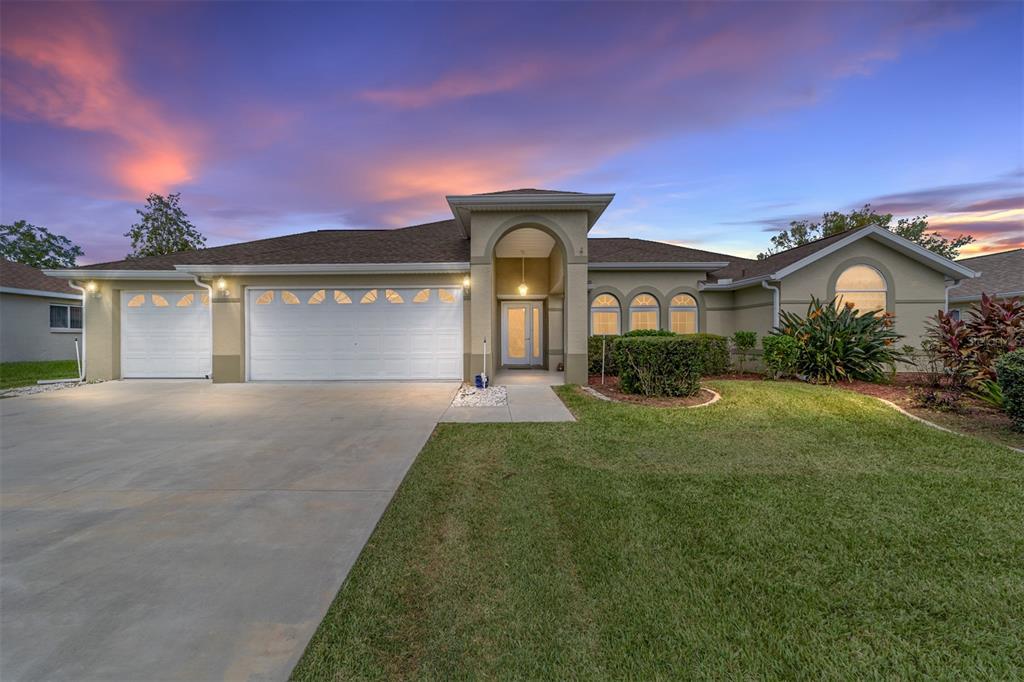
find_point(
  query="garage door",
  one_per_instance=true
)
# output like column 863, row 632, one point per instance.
column 165, row 334
column 396, row 333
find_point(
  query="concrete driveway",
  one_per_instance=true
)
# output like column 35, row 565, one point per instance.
column 182, row 530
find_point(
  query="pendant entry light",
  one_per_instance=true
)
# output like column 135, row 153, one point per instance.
column 522, row 279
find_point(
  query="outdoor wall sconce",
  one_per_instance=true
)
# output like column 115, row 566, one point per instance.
column 92, row 289
column 465, row 282
column 222, row 286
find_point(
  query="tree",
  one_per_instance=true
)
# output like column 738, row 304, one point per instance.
column 164, row 228
column 833, row 222
column 32, row 245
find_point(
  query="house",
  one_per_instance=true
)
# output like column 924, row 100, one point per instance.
column 512, row 277
column 1000, row 275
column 40, row 316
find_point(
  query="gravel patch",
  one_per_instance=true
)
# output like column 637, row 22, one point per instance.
column 37, row 388
column 470, row 396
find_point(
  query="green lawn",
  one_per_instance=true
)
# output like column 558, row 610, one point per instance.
column 14, row 374
column 791, row 531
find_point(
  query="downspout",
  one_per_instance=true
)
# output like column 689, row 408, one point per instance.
column 85, row 295
column 945, row 302
column 775, row 302
column 209, row 289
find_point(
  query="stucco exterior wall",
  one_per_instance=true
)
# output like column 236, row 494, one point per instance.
column 662, row 284
column 914, row 291
column 25, row 330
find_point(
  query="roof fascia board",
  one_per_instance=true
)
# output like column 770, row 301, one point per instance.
column 323, row 268
column 977, row 297
column 738, row 284
column 40, row 292
column 118, row 274
column 907, row 247
column 659, row 265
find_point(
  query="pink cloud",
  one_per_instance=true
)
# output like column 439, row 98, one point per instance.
column 458, row 85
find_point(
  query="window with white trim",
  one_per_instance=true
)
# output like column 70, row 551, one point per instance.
column 65, row 316
column 643, row 312
column 682, row 314
column 861, row 287
column 604, row 315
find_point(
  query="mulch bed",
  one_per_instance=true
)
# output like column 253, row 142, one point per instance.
column 610, row 388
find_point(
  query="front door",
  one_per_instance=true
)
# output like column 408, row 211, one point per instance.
column 521, row 334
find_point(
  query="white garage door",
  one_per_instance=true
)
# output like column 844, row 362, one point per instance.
column 331, row 333
column 165, row 334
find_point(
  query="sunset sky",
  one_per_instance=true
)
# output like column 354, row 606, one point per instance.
column 713, row 124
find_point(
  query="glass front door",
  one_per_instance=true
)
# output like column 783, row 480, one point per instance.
column 521, row 334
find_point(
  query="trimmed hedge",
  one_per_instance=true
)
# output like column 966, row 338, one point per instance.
column 659, row 365
column 1010, row 374
column 594, row 354
column 781, row 354
column 714, row 350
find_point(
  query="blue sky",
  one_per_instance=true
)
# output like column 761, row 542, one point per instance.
column 713, row 123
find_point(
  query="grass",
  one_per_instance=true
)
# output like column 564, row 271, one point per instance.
column 790, row 531
column 14, row 374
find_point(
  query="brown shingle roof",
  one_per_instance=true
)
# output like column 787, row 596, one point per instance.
column 742, row 268
column 1001, row 273
column 21, row 276
column 628, row 250
column 439, row 242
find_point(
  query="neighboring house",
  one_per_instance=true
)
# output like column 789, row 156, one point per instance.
column 513, row 270
column 1001, row 275
column 40, row 316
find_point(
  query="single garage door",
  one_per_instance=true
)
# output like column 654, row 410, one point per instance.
column 165, row 334
column 331, row 333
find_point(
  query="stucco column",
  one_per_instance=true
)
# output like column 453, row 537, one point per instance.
column 481, row 319
column 575, row 319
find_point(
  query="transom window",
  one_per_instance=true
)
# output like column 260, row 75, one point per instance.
column 186, row 300
column 446, row 295
column 289, row 298
column 369, row 297
column 341, row 298
column 159, row 301
column 65, row 316
column 317, row 298
column 422, row 296
column 137, row 301
column 682, row 314
column 862, row 288
column 643, row 312
column 392, row 296
column 265, row 298
column 604, row 315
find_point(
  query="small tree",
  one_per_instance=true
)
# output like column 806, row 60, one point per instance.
column 164, row 228
column 801, row 232
column 744, row 342
column 32, row 245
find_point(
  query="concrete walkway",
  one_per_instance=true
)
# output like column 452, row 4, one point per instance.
column 186, row 530
column 526, row 403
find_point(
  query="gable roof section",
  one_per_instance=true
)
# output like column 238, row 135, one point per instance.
column 525, row 190
column 1000, row 273
column 787, row 262
column 18, row 278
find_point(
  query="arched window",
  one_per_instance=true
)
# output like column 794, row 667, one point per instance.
column 341, row 298
column 682, row 314
column 185, row 301
column 289, row 298
column 422, row 296
column 317, row 298
column 643, row 312
column 265, row 298
column 137, row 301
column 159, row 301
column 604, row 315
column 863, row 288
column 392, row 296
column 369, row 297
column 446, row 295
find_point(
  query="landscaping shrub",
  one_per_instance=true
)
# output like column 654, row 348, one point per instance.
column 1010, row 373
column 659, row 365
column 714, row 353
column 649, row 332
column 781, row 354
column 969, row 349
column 744, row 342
column 837, row 343
column 594, row 345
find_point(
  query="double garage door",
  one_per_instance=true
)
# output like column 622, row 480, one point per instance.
column 354, row 333
column 301, row 334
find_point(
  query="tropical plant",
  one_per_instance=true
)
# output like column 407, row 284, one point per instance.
column 970, row 348
column 838, row 343
column 781, row 354
column 1010, row 373
column 744, row 342
column 23, row 242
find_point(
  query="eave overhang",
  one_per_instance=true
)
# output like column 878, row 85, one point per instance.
column 666, row 265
